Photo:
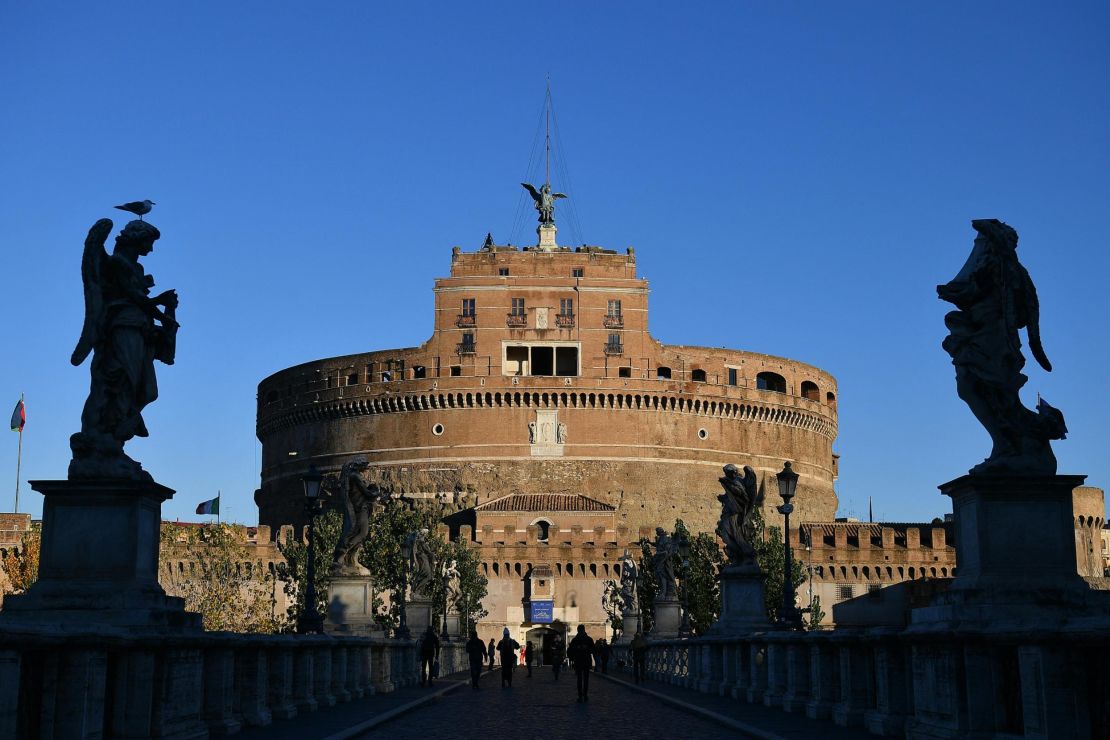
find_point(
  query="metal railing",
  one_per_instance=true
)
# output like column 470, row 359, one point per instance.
column 516, row 320
column 466, row 348
column 614, row 348
column 465, row 320
column 564, row 320
column 613, row 321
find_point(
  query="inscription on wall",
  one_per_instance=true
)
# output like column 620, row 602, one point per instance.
column 545, row 434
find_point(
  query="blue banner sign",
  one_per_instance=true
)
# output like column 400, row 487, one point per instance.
column 542, row 612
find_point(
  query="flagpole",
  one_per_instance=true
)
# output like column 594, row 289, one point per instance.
column 217, row 506
column 18, row 459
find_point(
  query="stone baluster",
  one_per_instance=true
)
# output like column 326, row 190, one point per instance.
column 356, row 687
column 757, row 665
column 797, row 693
column 251, row 682
column 857, row 679
column 178, row 693
column 132, row 704
column 304, row 666
column 72, row 693
column 742, row 655
column 321, row 674
column 892, row 690
column 776, row 672
column 824, row 678
column 10, row 669
column 381, row 665
column 219, row 691
column 339, row 673
column 280, row 688
column 727, row 657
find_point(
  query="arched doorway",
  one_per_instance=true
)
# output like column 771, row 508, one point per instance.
column 542, row 639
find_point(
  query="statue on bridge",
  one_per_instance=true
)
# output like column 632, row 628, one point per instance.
column 358, row 499
column 126, row 330
column 739, row 503
column 995, row 298
column 421, row 565
column 629, row 576
column 666, row 548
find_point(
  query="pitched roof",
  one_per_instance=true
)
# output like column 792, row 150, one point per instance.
column 544, row 502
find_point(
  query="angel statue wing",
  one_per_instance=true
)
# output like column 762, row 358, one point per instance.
column 751, row 483
column 532, row 191
column 91, row 261
column 559, row 195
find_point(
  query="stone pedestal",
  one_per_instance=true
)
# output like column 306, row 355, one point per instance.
column 99, row 560
column 631, row 625
column 418, row 615
column 1015, row 544
column 668, row 619
column 742, row 607
column 455, row 626
column 547, row 236
column 350, row 606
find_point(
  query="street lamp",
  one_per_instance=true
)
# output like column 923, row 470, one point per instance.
column 310, row 620
column 402, row 631
column 788, row 616
column 686, row 629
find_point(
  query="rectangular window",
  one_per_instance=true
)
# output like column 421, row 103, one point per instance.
column 844, row 592
column 518, row 307
column 503, row 271
column 566, row 306
column 732, row 376
column 624, row 372
column 543, row 361
column 576, row 272
column 516, row 360
column 613, row 309
column 468, row 338
column 614, row 340
column 566, row 362
column 456, row 371
column 467, row 306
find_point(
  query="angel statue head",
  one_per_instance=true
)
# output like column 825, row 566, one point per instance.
column 138, row 236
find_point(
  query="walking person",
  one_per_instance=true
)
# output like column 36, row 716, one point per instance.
column 491, row 651
column 603, row 650
column 476, row 651
column 506, row 649
column 581, row 654
column 429, row 654
column 558, row 655
column 529, row 655
column 639, row 657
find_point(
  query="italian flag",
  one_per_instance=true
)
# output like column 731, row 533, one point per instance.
column 211, row 506
column 19, row 417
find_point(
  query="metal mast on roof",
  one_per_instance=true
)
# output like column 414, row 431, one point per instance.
column 547, row 142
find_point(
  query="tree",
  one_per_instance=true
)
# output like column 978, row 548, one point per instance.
column 473, row 586
column 813, row 622
column 293, row 573
column 770, row 553
column 702, row 580
column 21, row 564
column 231, row 592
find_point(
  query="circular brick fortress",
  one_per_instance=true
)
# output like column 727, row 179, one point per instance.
column 541, row 377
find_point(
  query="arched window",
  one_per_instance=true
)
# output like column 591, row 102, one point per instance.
column 545, row 527
column 698, row 376
column 810, row 391
column 663, row 373
column 768, row 381
column 830, row 399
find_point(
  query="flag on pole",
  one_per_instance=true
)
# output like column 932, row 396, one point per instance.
column 211, row 506
column 19, row 417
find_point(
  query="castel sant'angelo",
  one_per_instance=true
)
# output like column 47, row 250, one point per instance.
column 550, row 421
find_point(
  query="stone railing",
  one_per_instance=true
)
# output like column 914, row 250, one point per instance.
column 111, row 685
column 906, row 683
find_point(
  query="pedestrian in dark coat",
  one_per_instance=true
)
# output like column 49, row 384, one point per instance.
column 581, row 654
column 506, row 649
column 639, row 656
column 429, row 652
column 602, row 655
column 558, row 655
column 529, row 656
column 491, row 651
column 476, row 651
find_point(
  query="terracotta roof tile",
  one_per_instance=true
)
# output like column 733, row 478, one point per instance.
column 544, row 502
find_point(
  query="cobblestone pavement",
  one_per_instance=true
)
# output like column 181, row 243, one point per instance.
column 540, row 707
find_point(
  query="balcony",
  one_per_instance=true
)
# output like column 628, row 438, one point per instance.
column 466, row 348
column 466, row 320
column 613, row 322
column 614, row 348
column 516, row 320
column 564, row 321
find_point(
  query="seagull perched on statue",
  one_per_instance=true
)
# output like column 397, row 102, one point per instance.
column 138, row 207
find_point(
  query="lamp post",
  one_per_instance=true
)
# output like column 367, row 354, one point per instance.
column 402, row 631
column 310, row 620
column 686, row 629
column 789, row 615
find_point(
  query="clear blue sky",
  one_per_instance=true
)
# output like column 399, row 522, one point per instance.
column 795, row 177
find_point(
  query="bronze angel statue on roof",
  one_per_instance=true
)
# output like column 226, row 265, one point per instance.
column 126, row 330
column 544, row 201
column 995, row 298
